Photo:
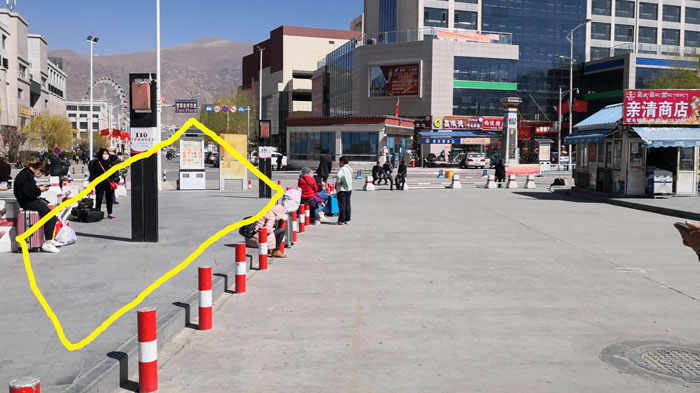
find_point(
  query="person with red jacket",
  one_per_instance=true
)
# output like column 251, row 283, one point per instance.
column 309, row 189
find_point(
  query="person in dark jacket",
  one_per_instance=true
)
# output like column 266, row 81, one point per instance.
column 325, row 166
column 97, row 167
column 500, row 172
column 401, row 175
column 388, row 169
column 377, row 173
column 5, row 171
column 59, row 168
column 28, row 196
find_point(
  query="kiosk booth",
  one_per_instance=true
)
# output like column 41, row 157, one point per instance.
column 192, row 173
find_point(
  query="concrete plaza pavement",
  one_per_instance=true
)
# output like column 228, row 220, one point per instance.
column 452, row 290
column 88, row 281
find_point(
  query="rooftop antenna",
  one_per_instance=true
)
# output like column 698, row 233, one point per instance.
column 11, row 4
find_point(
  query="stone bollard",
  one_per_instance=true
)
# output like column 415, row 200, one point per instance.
column 530, row 183
column 491, row 182
column 512, row 182
column 368, row 184
column 455, row 183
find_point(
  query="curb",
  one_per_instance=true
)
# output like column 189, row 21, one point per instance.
column 630, row 205
column 113, row 372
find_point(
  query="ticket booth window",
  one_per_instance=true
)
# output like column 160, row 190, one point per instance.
column 687, row 159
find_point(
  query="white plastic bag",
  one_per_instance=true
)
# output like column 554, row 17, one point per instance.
column 66, row 235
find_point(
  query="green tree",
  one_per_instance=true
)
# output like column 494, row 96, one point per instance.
column 233, row 122
column 50, row 131
column 677, row 78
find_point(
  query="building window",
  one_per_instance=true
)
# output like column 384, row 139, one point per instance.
column 648, row 11
column 71, row 107
column 617, row 156
column 465, row 20
column 20, row 94
column 692, row 39
column 387, row 15
column 672, row 13
column 74, row 125
column 599, row 53
column 647, row 35
column 602, row 7
column 600, row 31
column 83, row 115
column 311, row 145
column 4, row 42
column 484, row 70
column 22, row 71
column 361, row 146
column 624, row 33
column 46, row 103
column 624, row 9
column 467, row 1
column 95, row 126
column 83, row 126
column 435, row 17
column 671, row 37
column 692, row 15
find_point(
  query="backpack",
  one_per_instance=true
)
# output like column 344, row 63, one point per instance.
column 247, row 231
column 86, row 203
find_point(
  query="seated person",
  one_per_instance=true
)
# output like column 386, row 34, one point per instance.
column 401, row 175
column 388, row 169
column 377, row 173
column 275, row 236
column 324, row 200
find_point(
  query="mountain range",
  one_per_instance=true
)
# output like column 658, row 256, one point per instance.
column 202, row 69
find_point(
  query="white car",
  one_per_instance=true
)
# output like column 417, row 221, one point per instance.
column 254, row 159
column 472, row 160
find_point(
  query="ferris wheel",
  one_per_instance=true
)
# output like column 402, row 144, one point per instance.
column 108, row 90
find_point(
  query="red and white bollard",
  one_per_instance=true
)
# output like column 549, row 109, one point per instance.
column 295, row 227
column 283, row 225
column 250, row 185
column 25, row 385
column 240, row 268
column 148, row 350
column 302, row 219
column 279, row 182
column 262, row 249
column 307, row 219
column 206, row 299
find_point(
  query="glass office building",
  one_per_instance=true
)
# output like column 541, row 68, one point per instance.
column 539, row 28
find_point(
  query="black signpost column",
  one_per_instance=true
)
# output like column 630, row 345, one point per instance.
column 264, row 157
column 144, row 173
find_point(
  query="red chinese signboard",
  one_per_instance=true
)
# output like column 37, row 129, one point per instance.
column 662, row 107
column 542, row 130
column 473, row 123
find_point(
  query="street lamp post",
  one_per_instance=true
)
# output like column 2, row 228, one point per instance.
column 158, row 92
column 260, row 49
column 92, row 40
column 570, row 38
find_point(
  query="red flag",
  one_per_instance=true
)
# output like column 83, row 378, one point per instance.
column 580, row 106
column 396, row 111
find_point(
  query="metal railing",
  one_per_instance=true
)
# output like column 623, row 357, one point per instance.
column 437, row 33
column 653, row 49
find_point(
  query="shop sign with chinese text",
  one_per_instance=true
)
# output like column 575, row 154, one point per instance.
column 657, row 107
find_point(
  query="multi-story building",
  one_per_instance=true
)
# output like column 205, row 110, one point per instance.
column 290, row 57
column 78, row 113
column 32, row 84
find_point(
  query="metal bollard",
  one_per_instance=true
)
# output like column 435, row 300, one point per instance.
column 262, row 249
column 240, row 268
column 148, row 350
column 205, row 298
column 25, row 385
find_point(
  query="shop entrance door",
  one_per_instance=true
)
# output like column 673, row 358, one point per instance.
column 686, row 177
column 636, row 179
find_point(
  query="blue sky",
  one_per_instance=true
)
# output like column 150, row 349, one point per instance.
column 125, row 26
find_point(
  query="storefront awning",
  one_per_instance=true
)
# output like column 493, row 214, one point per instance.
column 459, row 137
column 585, row 137
column 669, row 136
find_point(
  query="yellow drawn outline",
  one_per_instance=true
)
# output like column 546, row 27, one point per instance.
column 21, row 239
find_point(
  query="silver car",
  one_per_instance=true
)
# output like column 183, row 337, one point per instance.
column 471, row 160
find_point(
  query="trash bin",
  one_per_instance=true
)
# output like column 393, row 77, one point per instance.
column 449, row 174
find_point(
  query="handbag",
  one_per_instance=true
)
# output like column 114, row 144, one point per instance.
column 112, row 185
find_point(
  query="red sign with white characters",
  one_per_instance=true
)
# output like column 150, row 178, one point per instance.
column 657, row 107
column 473, row 123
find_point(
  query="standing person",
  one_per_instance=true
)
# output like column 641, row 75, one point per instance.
column 275, row 237
column 344, row 186
column 279, row 162
column 27, row 194
column 388, row 169
column 325, row 166
column 5, row 171
column 97, row 167
column 401, row 175
column 59, row 168
column 500, row 172
column 309, row 189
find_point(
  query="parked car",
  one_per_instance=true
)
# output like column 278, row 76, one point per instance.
column 473, row 160
column 254, row 159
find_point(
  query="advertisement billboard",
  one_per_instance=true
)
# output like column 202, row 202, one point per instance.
column 394, row 80
column 661, row 107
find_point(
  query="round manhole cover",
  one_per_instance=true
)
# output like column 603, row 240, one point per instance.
column 677, row 362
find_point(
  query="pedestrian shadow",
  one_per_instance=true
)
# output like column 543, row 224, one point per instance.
column 550, row 196
column 103, row 237
column 225, row 277
column 124, row 381
column 186, row 307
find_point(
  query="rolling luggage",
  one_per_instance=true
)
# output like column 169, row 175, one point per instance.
column 25, row 220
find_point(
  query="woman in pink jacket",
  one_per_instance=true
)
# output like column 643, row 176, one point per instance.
column 275, row 237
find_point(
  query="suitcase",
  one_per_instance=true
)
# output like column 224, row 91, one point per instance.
column 25, row 220
column 334, row 205
column 89, row 215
